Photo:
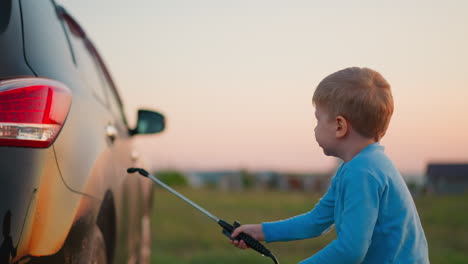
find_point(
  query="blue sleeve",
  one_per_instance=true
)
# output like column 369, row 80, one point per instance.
column 311, row 224
column 361, row 196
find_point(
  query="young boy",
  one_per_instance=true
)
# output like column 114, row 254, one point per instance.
column 368, row 202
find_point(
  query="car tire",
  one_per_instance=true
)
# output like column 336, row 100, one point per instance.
column 98, row 248
column 92, row 249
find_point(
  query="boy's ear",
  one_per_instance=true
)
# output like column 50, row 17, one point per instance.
column 342, row 127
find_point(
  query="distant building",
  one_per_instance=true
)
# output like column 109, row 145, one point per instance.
column 317, row 182
column 303, row 182
column 262, row 180
column 447, row 178
column 231, row 181
column 223, row 180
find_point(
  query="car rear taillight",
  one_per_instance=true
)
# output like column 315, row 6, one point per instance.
column 32, row 111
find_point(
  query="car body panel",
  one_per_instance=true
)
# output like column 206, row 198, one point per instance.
column 54, row 210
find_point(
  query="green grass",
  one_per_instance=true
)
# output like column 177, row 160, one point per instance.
column 445, row 222
column 183, row 235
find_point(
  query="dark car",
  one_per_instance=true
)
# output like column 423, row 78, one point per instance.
column 65, row 145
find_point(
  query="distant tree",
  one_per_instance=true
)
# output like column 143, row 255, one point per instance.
column 247, row 179
column 414, row 188
column 172, row 177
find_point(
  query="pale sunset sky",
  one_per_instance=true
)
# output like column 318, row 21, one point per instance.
column 235, row 77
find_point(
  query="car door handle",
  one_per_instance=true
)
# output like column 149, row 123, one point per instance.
column 111, row 132
column 135, row 155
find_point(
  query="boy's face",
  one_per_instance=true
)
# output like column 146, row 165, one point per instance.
column 325, row 131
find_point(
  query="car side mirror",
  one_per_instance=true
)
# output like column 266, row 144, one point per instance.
column 149, row 122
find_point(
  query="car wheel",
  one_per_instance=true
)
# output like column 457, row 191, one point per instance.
column 91, row 251
column 98, row 248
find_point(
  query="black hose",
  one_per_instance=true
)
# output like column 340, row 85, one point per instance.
column 274, row 258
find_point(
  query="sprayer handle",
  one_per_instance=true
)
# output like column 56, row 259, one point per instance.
column 249, row 240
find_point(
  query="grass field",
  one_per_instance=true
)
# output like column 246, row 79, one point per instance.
column 183, row 235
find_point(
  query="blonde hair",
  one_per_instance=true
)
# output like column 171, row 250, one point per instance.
column 361, row 95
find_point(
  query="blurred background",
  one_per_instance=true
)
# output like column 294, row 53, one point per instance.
column 235, row 80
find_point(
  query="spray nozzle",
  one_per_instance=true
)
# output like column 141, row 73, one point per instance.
column 139, row 170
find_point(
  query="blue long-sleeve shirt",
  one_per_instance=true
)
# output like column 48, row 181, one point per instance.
column 374, row 214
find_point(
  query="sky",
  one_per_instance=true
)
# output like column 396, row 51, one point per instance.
column 235, row 78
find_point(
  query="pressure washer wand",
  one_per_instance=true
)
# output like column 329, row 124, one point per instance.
column 227, row 228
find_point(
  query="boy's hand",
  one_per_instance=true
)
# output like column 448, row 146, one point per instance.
column 254, row 231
